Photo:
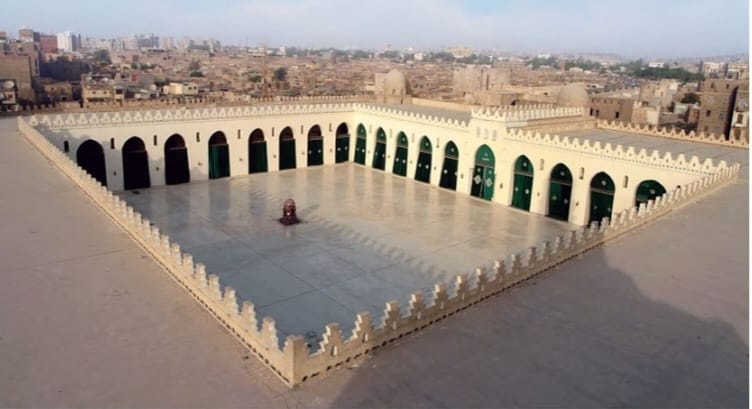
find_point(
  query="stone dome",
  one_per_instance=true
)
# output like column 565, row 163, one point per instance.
column 395, row 83
column 573, row 95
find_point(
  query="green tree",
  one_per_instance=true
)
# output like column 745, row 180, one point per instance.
column 280, row 74
column 690, row 98
column 194, row 65
column 102, row 56
column 196, row 74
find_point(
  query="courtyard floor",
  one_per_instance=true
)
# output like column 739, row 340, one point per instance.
column 367, row 237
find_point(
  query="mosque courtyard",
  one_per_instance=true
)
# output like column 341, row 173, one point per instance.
column 367, row 237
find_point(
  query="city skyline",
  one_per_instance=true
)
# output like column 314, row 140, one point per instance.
column 643, row 29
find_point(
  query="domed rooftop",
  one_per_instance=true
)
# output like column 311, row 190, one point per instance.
column 395, row 83
column 573, row 95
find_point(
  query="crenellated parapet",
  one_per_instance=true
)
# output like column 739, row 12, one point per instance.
column 130, row 118
column 404, row 115
column 338, row 349
column 673, row 133
column 292, row 359
column 619, row 152
column 527, row 113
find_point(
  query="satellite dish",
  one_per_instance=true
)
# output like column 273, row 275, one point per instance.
column 8, row 84
column 153, row 87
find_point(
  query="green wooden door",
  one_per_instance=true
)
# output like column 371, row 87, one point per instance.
column 379, row 156
column 400, row 156
column 523, row 183
column 257, row 162
column 287, row 154
column 449, row 167
column 559, row 193
column 484, row 176
column 315, row 151
column 423, row 166
column 601, row 197
column 343, row 148
column 648, row 190
column 360, row 151
column 219, row 161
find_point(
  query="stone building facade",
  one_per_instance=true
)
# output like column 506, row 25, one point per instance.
column 717, row 105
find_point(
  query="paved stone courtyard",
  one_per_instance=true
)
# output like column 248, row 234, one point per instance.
column 367, row 237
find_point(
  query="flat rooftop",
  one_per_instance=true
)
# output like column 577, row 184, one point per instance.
column 658, row 318
column 367, row 237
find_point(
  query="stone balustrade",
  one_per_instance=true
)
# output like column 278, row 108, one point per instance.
column 673, row 133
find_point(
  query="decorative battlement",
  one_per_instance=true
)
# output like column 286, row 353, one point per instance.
column 672, row 133
column 129, row 118
column 620, row 152
column 412, row 116
column 294, row 363
column 527, row 113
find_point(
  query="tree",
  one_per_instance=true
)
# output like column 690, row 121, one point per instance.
column 690, row 98
column 280, row 74
column 195, row 74
column 194, row 65
column 102, row 56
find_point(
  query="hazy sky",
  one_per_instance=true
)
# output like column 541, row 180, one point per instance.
column 631, row 28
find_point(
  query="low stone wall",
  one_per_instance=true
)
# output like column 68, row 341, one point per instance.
column 294, row 363
column 672, row 133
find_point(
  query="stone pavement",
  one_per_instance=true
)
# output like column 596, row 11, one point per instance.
column 658, row 318
column 367, row 238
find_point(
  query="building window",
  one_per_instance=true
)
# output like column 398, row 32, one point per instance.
column 65, row 146
column 626, row 181
column 198, row 138
column 617, row 115
column 155, row 140
column 707, row 113
column 112, row 143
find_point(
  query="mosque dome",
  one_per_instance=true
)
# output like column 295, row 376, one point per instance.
column 395, row 83
column 573, row 95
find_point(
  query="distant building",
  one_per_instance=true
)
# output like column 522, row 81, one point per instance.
column 68, row 42
column 392, row 88
column 48, row 44
column 180, row 88
column 656, row 64
column 8, row 94
column 712, row 68
column 100, row 89
column 27, row 35
column 658, row 93
column 612, row 108
column 718, row 102
column 740, row 115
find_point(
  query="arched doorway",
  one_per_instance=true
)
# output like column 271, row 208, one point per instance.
column 559, row 192
column 601, row 197
column 342, row 144
column 219, row 156
column 287, row 149
column 483, row 174
column 257, row 162
column 423, row 168
column 449, row 167
column 315, row 147
column 90, row 157
column 135, row 164
column 400, row 156
column 379, row 153
column 176, row 161
column 522, row 191
column 360, row 145
column 648, row 190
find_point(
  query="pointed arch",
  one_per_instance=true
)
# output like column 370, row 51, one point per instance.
column 484, row 174
column 257, row 159
column 90, row 157
column 449, row 166
column 399, row 166
column 425, row 158
column 135, row 164
column 342, row 143
column 379, row 153
column 315, row 146
column 602, row 190
column 360, row 145
column 560, row 192
column 522, row 190
column 219, row 156
column 648, row 190
column 176, row 161
column 287, row 158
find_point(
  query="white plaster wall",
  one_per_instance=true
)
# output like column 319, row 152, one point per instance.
column 507, row 147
